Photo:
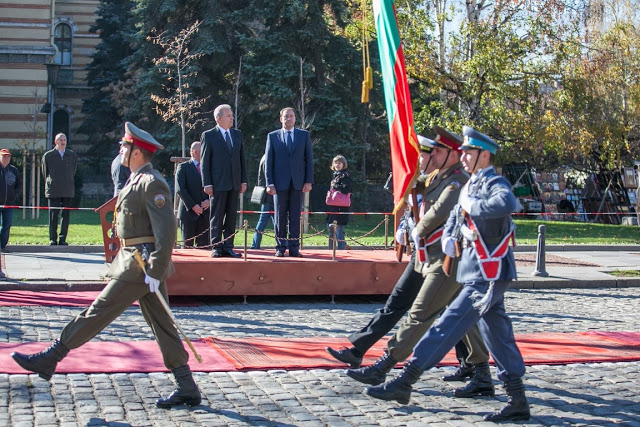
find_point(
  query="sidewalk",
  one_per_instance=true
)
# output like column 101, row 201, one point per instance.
column 81, row 268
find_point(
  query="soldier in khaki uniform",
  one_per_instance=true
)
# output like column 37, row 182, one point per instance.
column 438, row 289
column 145, row 221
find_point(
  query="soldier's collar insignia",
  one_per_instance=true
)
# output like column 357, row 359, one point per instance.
column 159, row 200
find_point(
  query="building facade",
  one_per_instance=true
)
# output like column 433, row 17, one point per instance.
column 45, row 47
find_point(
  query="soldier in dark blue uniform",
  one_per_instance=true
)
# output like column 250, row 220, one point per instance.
column 482, row 220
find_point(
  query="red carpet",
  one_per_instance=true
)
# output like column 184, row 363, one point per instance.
column 71, row 299
column 229, row 354
column 115, row 357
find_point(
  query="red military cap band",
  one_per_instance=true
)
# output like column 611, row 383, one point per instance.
column 140, row 143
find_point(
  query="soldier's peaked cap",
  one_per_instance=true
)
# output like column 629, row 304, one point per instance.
column 426, row 144
column 477, row 140
column 446, row 139
column 139, row 138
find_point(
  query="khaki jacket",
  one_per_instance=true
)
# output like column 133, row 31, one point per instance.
column 440, row 196
column 145, row 209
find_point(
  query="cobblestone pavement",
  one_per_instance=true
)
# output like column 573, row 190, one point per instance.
column 578, row 394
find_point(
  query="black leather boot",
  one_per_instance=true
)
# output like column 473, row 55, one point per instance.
column 376, row 373
column 480, row 385
column 187, row 392
column 346, row 355
column 517, row 408
column 43, row 363
column 463, row 372
column 398, row 389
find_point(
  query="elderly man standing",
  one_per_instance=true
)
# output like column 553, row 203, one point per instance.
column 194, row 203
column 224, row 176
column 59, row 170
column 289, row 172
column 146, row 225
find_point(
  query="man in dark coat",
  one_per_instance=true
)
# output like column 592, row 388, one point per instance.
column 59, row 169
column 10, row 189
column 224, row 176
column 289, row 173
column 194, row 203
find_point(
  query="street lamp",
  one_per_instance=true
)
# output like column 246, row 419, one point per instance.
column 52, row 77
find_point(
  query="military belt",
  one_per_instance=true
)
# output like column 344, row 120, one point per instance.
column 137, row 241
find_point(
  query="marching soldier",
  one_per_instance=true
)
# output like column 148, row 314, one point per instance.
column 482, row 219
column 405, row 289
column 439, row 286
column 145, row 223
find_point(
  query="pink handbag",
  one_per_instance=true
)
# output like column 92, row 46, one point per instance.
column 336, row 198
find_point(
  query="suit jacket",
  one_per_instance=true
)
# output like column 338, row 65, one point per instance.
column 59, row 173
column 284, row 166
column 119, row 174
column 222, row 169
column 189, row 186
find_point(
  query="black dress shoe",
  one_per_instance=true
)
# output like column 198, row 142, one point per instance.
column 345, row 355
column 216, row 254
column 279, row 254
column 231, row 254
column 52, row 243
column 295, row 254
column 62, row 243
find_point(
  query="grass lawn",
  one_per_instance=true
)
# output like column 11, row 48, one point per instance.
column 85, row 229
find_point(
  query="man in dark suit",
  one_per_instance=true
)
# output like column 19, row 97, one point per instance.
column 289, row 172
column 224, row 176
column 194, row 202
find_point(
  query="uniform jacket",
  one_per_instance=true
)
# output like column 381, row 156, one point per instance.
column 284, row 166
column 59, row 173
column 189, row 186
column 222, row 169
column 440, row 196
column 342, row 182
column 145, row 208
column 492, row 203
column 10, row 185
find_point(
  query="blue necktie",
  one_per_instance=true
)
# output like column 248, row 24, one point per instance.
column 289, row 141
column 227, row 138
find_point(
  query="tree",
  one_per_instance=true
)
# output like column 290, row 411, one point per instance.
column 177, row 63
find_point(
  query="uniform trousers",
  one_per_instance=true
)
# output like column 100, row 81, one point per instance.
column 115, row 298
column 398, row 303
column 495, row 328
column 437, row 291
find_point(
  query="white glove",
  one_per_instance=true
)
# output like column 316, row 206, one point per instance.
column 154, row 284
column 465, row 204
column 415, row 238
column 400, row 236
column 449, row 246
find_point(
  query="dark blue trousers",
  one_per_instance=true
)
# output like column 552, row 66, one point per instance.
column 288, row 206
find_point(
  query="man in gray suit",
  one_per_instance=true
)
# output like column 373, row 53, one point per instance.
column 289, row 173
column 224, row 176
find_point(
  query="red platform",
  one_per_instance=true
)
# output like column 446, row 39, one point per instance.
column 353, row 272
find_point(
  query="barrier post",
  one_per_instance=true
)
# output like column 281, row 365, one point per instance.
column 2, row 275
column 334, row 238
column 386, row 231
column 246, row 231
column 540, row 253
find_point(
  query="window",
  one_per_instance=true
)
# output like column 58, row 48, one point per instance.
column 62, row 39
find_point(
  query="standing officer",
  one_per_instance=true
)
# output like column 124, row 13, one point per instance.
column 438, row 288
column 59, row 169
column 407, row 286
column 224, row 176
column 145, row 222
column 486, row 270
column 192, row 209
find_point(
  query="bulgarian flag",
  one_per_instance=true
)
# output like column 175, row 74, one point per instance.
column 404, row 143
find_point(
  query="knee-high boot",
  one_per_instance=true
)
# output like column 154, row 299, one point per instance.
column 376, row 373
column 517, row 408
column 187, row 392
column 480, row 385
column 43, row 363
column 398, row 389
